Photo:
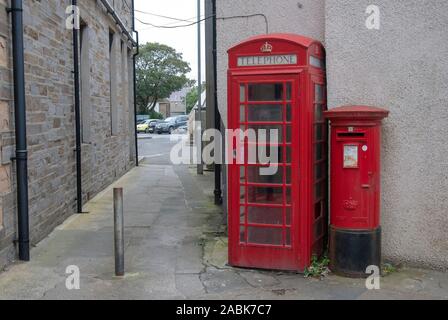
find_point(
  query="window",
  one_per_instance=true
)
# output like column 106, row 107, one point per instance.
column 85, row 82
column 320, row 162
column 131, row 105
column 124, row 102
column 113, row 83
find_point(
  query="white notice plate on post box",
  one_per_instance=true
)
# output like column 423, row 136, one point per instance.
column 350, row 156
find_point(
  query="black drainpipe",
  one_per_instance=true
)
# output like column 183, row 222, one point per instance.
column 135, row 84
column 20, row 123
column 78, row 147
column 218, row 167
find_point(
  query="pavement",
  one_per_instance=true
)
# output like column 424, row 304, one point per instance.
column 176, row 249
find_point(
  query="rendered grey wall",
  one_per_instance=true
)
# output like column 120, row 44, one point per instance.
column 403, row 67
column 283, row 16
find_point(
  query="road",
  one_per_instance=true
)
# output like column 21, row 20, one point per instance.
column 156, row 148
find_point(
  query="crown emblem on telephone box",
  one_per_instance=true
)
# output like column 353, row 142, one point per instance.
column 267, row 48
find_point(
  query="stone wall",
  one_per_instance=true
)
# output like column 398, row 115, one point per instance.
column 50, row 114
column 7, row 183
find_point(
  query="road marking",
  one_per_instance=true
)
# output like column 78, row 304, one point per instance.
column 156, row 155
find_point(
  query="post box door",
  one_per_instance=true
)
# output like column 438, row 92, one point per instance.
column 352, row 166
column 262, row 225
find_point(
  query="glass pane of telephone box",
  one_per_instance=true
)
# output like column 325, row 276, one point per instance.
column 242, row 215
column 319, row 94
column 266, row 92
column 242, row 93
column 319, row 150
column 242, row 194
column 242, row 174
column 243, row 234
column 267, row 133
column 288, row 175
column 266, row 113
column 288, row 91
column 319, row 132
column 265, row 236
column 275, row 153
column 265, row 195
column 265, row 175
column 319, row 115
column 262, row 215
column 242, row 113
column 319, row 171
column 288, row 216
column 288, row 113
column 269, row 154
column 288, row 237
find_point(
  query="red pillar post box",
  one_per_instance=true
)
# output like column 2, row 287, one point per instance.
column 355, row 231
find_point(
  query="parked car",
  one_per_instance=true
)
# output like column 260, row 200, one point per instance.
column 147, row 126
column 171, row 124
column 153, row 124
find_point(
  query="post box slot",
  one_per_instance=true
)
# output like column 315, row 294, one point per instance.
column 351, row 135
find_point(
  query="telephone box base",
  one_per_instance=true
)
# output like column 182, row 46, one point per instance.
column 353, row 251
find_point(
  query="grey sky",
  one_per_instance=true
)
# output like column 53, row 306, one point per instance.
column 184, row 40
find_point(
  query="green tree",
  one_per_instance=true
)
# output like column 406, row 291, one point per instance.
column 160, row 71
column 192, row 97
column 155, row 115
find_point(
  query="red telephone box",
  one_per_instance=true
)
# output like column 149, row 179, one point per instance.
column 277, row 221
column 355, row 236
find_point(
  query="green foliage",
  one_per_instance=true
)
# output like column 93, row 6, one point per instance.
column 388, row 269
column 160, row 71
column 319, row 268
column 192, row 97
column 155, row 115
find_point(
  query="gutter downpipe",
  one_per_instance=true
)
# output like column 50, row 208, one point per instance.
column 218, row 167
column 78, row 148
column 135, row 84
column 21, row 157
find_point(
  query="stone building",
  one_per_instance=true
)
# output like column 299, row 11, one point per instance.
column 174, row 105
column 107, row 112
column 402, row 66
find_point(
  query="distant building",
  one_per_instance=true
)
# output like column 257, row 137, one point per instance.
column 175, row 105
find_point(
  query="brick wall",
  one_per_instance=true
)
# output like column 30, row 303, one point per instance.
column 50, row 115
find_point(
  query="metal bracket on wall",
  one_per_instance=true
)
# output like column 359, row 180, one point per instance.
column 9, row 10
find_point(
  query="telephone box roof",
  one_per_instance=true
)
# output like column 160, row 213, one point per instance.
column 289, row 37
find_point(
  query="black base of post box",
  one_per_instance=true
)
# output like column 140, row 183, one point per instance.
column 353, row 251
